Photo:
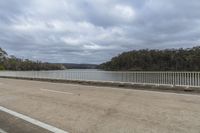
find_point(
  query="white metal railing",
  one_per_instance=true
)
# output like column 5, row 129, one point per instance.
column 188, row 79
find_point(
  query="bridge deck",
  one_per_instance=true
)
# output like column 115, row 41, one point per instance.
column 89, row 109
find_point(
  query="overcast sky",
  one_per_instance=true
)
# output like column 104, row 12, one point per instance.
column 93, row 31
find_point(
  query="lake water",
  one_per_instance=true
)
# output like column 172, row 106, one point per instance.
column 161, row 78
column 70, row 74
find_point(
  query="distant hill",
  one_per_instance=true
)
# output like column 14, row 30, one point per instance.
column 13, row 63
column 156, row 60
column 16, row 64
column 80, row 66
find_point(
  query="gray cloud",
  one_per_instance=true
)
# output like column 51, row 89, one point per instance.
column 94, row 31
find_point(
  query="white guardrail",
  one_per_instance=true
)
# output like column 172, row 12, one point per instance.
column 185, row 79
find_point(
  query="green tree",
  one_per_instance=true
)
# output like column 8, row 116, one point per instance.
column 156, row 60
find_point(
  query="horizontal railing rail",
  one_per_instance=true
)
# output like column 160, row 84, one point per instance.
column 187, row 79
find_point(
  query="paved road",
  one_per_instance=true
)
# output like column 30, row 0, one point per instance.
column 11, row 124
column 89, row 109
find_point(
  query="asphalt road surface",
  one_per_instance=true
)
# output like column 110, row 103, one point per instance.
column 11, row 124
column 88, row 109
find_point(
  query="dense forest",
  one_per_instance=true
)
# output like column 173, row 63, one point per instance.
column 16, row 64
column 156, row 60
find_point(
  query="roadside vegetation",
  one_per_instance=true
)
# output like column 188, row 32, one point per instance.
column 156, row 60
column 16, row 64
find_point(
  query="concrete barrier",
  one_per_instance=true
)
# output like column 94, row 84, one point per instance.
column 168, row 88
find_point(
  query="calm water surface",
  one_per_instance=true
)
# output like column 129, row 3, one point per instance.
column 70, row 74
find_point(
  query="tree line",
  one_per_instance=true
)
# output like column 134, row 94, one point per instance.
column 156, row 60
column 17, row 64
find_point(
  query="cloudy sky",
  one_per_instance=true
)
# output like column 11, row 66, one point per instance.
column 93, row 31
